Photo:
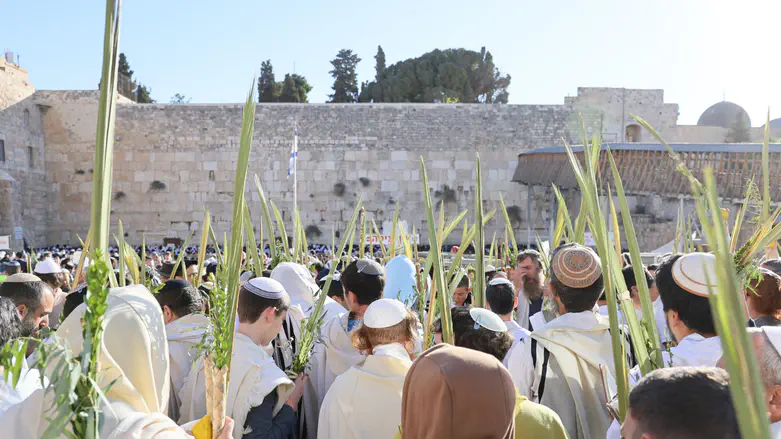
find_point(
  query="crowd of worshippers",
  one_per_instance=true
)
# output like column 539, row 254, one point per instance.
column 537, row 362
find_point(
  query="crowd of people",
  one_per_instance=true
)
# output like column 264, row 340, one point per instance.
column 536, row 362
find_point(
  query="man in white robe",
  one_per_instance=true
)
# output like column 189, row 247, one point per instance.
column 682, row 282
column 528, row 277
column 28, row 379
column 185, row 324
column 260, row 397
column 363, row 282
column 567, row 364
column 500, row 298
column 365, row 401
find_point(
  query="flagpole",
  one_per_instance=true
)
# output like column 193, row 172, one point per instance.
column 295, row 182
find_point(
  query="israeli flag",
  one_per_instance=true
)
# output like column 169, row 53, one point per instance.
column 291, row 168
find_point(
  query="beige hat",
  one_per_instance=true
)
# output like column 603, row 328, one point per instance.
column 690, row 271
column 576, row 266
column 21, row 278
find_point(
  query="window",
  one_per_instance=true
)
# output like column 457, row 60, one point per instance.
column 632, row 133
column 30, row 157
column 26, row 118
column 2, row 150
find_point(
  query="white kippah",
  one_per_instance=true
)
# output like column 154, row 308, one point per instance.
column 773, row 334
column 487, row 320
column 490, row 268
column 499, row 281
column 266, row 288
column 384, row 313
column 47, row 266
column 696, row 273
column 244, row 277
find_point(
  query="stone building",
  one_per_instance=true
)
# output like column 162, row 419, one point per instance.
column 172, row 160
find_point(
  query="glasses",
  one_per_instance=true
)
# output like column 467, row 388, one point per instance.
column 368, row 267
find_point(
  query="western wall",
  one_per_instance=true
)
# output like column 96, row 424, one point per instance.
column 172, row 160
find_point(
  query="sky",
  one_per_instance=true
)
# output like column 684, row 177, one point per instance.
column 698, row 51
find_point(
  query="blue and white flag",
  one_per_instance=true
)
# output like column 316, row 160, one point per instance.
column 291, row 167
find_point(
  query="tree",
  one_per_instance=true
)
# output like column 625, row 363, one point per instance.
column 268, row 90
column 452, row 75
column 345, row 80
column 179, row 99
column 294, row 89
column 739, row 131
column 127, row 85
column 143, row 95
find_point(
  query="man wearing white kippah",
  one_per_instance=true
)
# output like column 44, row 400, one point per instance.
column 561, row 365
column 261, row 398
column 682, row 281
column 365, row 401
column 500, row 298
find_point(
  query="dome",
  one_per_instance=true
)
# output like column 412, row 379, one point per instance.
column 775, row 123
column 722, row 114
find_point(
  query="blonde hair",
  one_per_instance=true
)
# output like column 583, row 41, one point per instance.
column 365, row 339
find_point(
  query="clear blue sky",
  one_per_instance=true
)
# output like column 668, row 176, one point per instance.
column 695, row 50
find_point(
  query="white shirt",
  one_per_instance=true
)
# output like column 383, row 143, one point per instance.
column 519, row 334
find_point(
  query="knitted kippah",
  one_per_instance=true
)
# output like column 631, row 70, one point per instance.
column 576, row 266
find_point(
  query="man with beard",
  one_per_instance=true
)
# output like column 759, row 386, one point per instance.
column 527, row 278
column 34, row 300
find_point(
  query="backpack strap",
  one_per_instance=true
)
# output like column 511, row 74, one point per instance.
column 544, row 369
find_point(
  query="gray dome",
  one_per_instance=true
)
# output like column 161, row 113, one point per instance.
column 723, row 114
column 775, row 123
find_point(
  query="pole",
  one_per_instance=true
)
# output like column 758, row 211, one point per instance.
column 295, row 181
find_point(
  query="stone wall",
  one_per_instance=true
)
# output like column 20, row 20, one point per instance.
column 171, row 161
column 23, row 189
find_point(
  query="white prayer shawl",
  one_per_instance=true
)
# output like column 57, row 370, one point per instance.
column 775, row 430
column 365, row 401
column 134, row 356
column 519, row 334
column 580, row 345
column 183, row 335
column 333, row 356
column 29, row 382
column 253, row 376
column 522, row 311
column 693, row 350
column 661, row 321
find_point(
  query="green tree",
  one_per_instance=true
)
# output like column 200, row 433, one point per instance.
column 379, row 66
column 345, row 80
column 179, row 99
column 739, row 131
column 295, row 88
column 452, row 75
column 268, row 88
column 143, row 95
column 125, row 85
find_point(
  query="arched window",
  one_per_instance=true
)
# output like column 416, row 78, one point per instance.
column 632, row 133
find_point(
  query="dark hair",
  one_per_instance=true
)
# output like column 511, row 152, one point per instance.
column 765, row 295
column 181, row 297
column 251, row 306
column 334, row 290
column 684, row 402
column 480, row 339
column 73, row 300
column 12, row 269
column 629, row 277
column 10, row 322
column 694, row 311
column 575, row 299
column 465, row 282
column 534, row 255
column 50, row 278
column 29, row 294
column 501, row 298
column 366, row 287
column 653, row 267
column 773, row 265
